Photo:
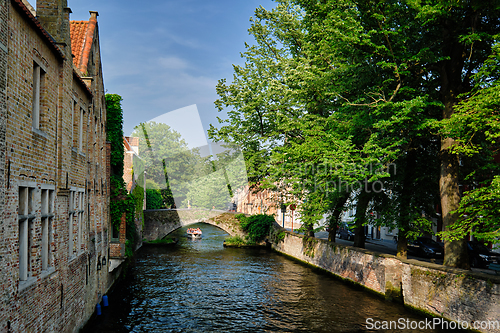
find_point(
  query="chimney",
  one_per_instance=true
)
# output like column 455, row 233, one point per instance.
column 54, row 17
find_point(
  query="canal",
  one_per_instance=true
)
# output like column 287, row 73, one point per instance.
column 199, row 286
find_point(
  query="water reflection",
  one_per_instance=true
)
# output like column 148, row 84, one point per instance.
column 199, row 286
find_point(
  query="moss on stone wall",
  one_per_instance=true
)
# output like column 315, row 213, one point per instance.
column 276, row 235
column 393, row 293
column 309, row 246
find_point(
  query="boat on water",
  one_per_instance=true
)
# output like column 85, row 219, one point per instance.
column 194, row 233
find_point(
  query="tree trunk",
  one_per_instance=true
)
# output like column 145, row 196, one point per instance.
column 310, row 230
column 405, row 206
column 402, row 251
column 335, row 218
column 332, row 233
column 455, row 252
column 359, row 231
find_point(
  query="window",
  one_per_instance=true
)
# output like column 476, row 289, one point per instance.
column 47, row 201
column 73, row 115
column 38, row 88
column 76, row 210
column 80, row 131
column 26, row 214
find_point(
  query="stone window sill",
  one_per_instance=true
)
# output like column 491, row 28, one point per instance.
column 23, row 285
column 39, row 132
column 78, row 152
column 48, row 272
column 74, row 256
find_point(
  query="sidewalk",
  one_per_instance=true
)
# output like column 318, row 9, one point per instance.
column 371, row 244
column 390, row 247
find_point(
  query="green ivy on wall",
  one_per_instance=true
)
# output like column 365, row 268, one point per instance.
column 120, row 201
column 114, row 132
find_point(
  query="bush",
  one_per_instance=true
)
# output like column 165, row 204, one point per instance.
column 153, row 199
column 235, row 240
column 257, row 226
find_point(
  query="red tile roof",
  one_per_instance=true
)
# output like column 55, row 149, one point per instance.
column 78, row 30
column 82, row 37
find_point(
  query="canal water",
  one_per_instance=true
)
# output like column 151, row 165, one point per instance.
column 199, row 286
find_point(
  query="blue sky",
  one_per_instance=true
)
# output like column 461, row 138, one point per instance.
column 163, row 55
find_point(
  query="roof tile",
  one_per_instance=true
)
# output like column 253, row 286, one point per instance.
column 78, row 31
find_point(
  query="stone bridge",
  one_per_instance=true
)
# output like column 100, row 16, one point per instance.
column 158, row 223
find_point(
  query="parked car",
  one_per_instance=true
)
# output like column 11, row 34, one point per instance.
column 347, row 234
column 480, row 256
column 425, row 247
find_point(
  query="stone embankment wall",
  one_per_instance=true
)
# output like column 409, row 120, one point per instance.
column 454, row 294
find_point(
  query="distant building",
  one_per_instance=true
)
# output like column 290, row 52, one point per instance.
column 54, row 186
column 265, row 201
column 131, row 152
column 134, row 174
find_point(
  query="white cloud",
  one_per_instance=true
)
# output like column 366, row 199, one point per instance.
column 172, row 63
column 187, row 122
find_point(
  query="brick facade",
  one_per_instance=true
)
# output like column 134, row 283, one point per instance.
column 134, row 175
column 54, row 232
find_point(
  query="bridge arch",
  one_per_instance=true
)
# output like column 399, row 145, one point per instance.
column 160, row 222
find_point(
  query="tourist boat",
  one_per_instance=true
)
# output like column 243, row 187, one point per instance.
column 194, row 233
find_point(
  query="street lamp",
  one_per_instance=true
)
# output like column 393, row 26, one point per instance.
column 283, row 211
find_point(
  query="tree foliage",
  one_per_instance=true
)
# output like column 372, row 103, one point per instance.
column 257, row 226
column 168, row 160
column 479, row 214
column 120, row 201
column 334, row 92
column 114, row 132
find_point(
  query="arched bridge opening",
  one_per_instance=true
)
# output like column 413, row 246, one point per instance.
column 158, row 223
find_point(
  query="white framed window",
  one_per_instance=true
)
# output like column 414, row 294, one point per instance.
column 26, row 217
column 73, row 116
column 38, row 89
column 47, row 211
column 80, row 131
column 76, row 212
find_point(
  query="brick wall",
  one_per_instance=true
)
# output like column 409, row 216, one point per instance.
column 4, row 278
column 61, row 297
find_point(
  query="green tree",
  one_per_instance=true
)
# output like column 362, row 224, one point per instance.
column 273, row 119
column 475, row 126
column 375, row 76
column 168, row 160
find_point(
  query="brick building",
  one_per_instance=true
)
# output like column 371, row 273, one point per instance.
column 131, row 153
column 54, row 184
column 134, row 176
